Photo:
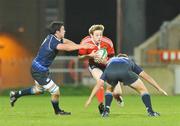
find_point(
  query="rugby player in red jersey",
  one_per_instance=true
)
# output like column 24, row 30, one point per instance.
column 96, row 69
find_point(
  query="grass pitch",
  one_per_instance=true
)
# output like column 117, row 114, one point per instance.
column 37, row 111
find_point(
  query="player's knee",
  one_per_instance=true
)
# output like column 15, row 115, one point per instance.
column 144, row 92
column 54, row 90
column 109, row 89
column 37, row 90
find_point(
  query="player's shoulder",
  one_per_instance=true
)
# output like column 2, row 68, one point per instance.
column 107, row 40
column 86, row 39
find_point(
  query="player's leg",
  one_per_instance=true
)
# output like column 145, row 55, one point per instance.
column 14, row 95
column 55, row 93
column 96, row 73
column 39, row 77
column 117, row 94
column 140, row 87
column 108, row 100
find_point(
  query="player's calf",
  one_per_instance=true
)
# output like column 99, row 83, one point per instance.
column 55, row 93
column 14, row 95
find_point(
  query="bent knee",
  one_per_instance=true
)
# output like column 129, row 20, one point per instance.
column 36, row 90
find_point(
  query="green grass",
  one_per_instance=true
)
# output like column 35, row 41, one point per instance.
column 37, row 111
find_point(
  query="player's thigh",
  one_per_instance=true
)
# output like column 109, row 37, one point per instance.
column 43, row 79
column 139, row 86
column 96, row 73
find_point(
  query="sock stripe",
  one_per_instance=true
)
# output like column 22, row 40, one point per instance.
column 145, row 94
column 108, row 94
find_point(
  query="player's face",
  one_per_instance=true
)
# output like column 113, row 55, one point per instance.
column 61, row 32
column 97, row 36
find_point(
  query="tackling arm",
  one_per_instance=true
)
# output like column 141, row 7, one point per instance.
column 150, row 80
column 69, row 45
column 88, row 56
column 94, row 91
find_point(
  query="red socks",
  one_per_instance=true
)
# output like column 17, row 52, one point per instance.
column 100, row 95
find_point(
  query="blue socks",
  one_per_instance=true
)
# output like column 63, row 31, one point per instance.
column 147, row 102
column 55, row 105
column 24, row 92
column 108, row 100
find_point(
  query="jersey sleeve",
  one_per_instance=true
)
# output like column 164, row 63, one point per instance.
column 82, row 52
column 110, row 47
column 111, row 51
column 137, row 69
column 54, row 43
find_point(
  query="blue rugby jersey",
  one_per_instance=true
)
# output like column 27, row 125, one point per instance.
column 47, row 53
column 134, row 67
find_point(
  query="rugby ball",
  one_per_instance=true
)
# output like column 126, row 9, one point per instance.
column 102, row 54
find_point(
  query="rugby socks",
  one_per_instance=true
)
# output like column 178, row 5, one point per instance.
column 108, row 100
column 100, row 95
column 24, row 92
column 147, row 102
column 55, row 105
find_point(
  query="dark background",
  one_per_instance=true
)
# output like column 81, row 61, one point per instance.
column 141, row 19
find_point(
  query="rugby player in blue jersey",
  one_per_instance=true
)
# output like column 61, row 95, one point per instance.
column 48, row 50
column 127, row 71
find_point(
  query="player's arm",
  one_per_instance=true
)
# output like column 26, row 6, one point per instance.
column 150, row 80
column 110, row 49
column 94, row 91
column 87, row 56
column 69, row 45
column 67, row 41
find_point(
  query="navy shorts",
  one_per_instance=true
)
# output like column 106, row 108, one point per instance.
column 119, row 72
column 42, row 78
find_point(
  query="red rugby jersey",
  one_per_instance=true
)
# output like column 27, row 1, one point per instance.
column 105, row 43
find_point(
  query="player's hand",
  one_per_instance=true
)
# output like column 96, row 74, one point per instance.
column 92, row 54
column 102, row 61
column 88, row 102
column 97, row 58
column 164, row 92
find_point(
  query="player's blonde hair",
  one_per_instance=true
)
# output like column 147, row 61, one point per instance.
column 96, row 27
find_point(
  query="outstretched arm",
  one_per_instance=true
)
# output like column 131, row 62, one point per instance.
column 87, row 56
column 95, row 89
column 67, row 41
column 150, row 80
column 69, row 45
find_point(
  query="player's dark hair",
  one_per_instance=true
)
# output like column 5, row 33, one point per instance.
column 54, row 26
